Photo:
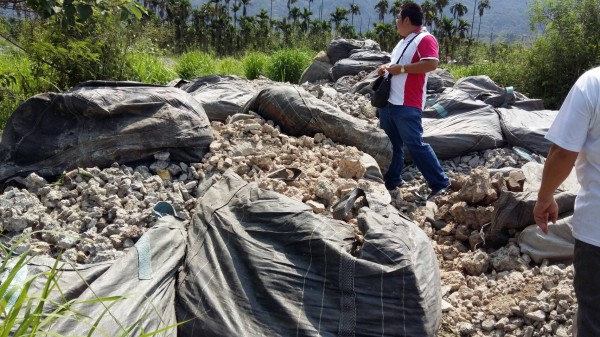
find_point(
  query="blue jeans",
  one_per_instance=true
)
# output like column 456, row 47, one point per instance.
column 403, row 126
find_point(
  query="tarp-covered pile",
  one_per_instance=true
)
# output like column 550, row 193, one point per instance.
column 255, row 263
column 99, row 123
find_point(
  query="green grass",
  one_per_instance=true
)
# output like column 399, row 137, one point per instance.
column 229, row 66
column 502, row 73
column 255, row 64
column 16, row 82
column 149, row 68
column 287, row 65
column 195, row 64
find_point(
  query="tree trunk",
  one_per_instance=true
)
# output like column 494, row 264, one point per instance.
column 479, row 28
column 473, row 21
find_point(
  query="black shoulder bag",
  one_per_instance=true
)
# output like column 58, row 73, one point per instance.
column 381, row 86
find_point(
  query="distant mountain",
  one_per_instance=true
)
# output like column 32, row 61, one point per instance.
column 506, row 20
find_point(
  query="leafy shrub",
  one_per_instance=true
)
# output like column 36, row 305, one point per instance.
column 255, row 64
column 287, row 65
column 195, row 64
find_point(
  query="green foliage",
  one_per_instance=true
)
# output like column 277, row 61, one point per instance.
column 255, row 64
column 503, row 63
column 68, row 13
column 16, row 83
column 149, row 68
column 229, row 66
column 288, row 65
column 569, row 47
column 195, row 64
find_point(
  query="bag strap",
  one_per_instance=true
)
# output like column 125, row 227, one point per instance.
column 406, row 47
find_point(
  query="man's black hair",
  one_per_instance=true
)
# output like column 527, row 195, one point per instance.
column 414, row 12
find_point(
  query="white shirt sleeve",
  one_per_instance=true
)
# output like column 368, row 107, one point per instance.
column 570, row 127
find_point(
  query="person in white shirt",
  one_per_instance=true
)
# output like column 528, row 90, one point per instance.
column 576, row 136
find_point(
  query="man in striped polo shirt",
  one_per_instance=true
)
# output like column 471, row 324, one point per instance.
column 416, row 55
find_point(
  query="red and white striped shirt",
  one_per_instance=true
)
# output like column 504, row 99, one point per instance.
column 411, row 89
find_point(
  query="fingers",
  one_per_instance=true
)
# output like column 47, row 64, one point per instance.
column 541, row 211
column 553, row 217
column 542, row 221
column 543, row 227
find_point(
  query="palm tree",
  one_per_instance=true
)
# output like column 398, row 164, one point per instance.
column 458, row 10
column 382, row 8
column 263, row 15
column 338, row 16
column 462, row 28
column 177, row 14
column 386, row 35
column 347, row 31
column 429, row 13
column 309, row 1
column 235, row 8
column 263, row 18
column 264, row 27
column 440, row 5
column 290, row 3
column 473, row 20
column 396, row 7
column 305, row 16
column 245, row 3
column 321, row 11
column 483, row 5
column 286, row 30
column 294, row 15
column 446, row 33
column 227, row 6
column 318, row 26
column 354, row 10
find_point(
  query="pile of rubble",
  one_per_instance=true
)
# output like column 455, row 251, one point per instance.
column 92, row 215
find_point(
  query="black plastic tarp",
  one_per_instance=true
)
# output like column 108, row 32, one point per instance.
column 454, row 102
column 483, row 88
column 352, row 67
column 99, row 123
column 527, row 129
column 262, row 264
column 297, row 112
column 514, row 210
column 460, row 134
column 221, row 96
column 125, row 297
column 342, row 48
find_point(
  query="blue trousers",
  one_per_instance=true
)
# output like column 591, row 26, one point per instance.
column 403, row 126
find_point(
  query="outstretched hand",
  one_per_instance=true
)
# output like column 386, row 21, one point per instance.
column 545, row 208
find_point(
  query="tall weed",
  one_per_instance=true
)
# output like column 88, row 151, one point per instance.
column 195, row 64
column 149, row 68
column 16, row 83
column 287, row 65
column 255, row 65
column 229, row 66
